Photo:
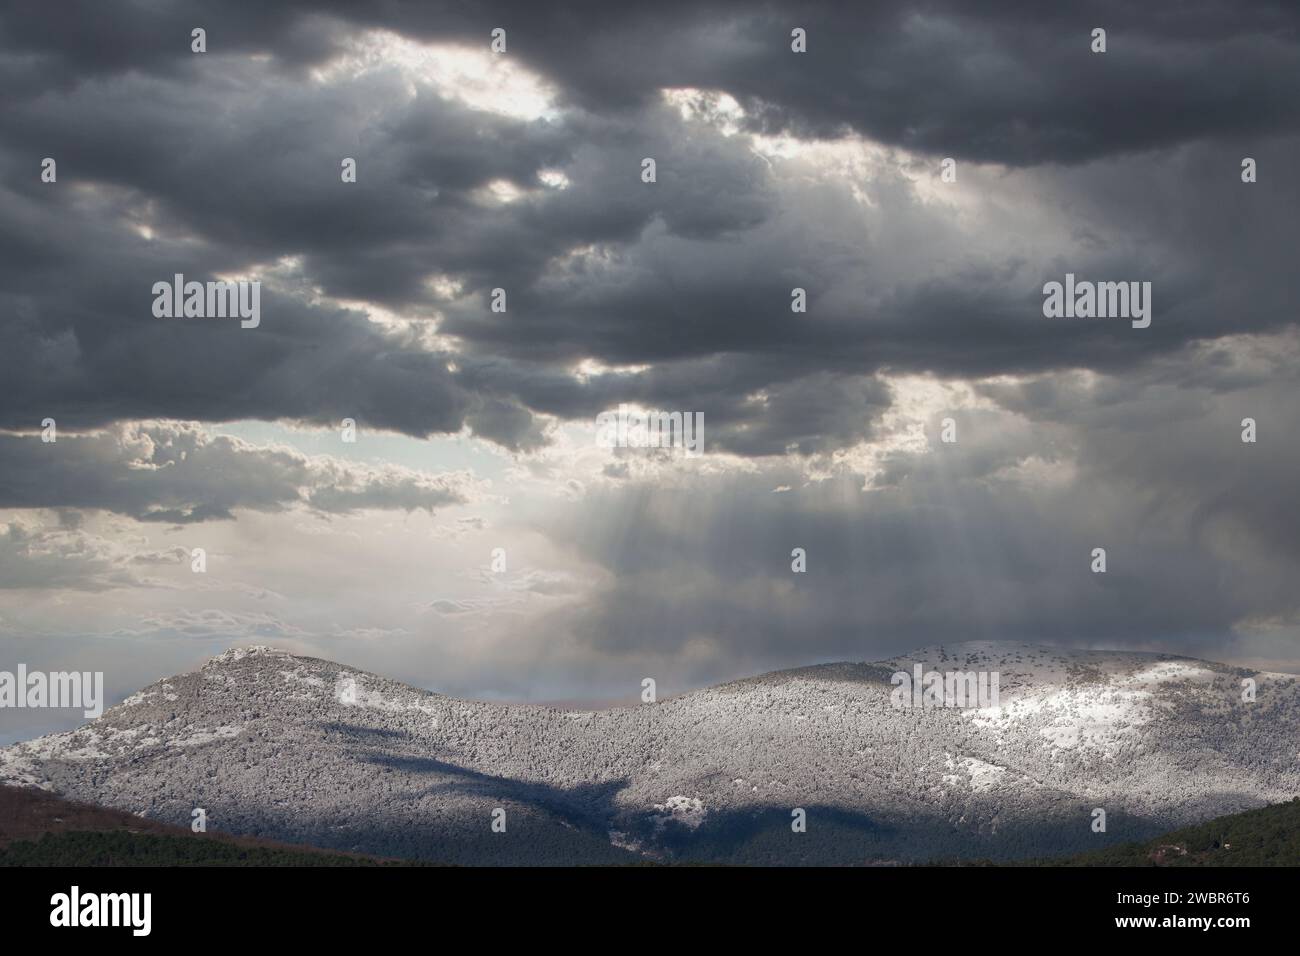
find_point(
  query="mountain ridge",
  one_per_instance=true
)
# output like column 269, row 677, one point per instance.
column 306, row 750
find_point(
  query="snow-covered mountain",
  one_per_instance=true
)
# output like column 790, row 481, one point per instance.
column 306, row 750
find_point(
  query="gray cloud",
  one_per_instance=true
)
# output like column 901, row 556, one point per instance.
column 174, row 472
column 989, row 538
column 696, row 272
column 35, row 557
column 1012, row 81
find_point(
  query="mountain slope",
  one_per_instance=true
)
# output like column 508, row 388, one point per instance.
column 306, row 750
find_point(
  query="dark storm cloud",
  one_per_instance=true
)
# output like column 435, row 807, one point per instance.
column 1173, row 442
column 233, row 163
column 1010, row 82
column 84, row 39
column 1217, row 255
column 84, row 348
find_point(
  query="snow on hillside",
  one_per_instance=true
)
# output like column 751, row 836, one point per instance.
column 303, row 749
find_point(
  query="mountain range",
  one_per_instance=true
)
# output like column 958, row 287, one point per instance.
column 303, row 750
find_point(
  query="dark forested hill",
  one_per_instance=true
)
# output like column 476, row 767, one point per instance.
column 1269, row 836
column 41, row 829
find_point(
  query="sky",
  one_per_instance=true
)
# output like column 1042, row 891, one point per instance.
column 921, row 171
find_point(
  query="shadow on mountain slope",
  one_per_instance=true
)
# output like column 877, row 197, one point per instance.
column 589, row 806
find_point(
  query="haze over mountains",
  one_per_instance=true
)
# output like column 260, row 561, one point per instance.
column 307, row 750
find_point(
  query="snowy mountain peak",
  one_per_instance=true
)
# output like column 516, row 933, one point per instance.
column 236, row 654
